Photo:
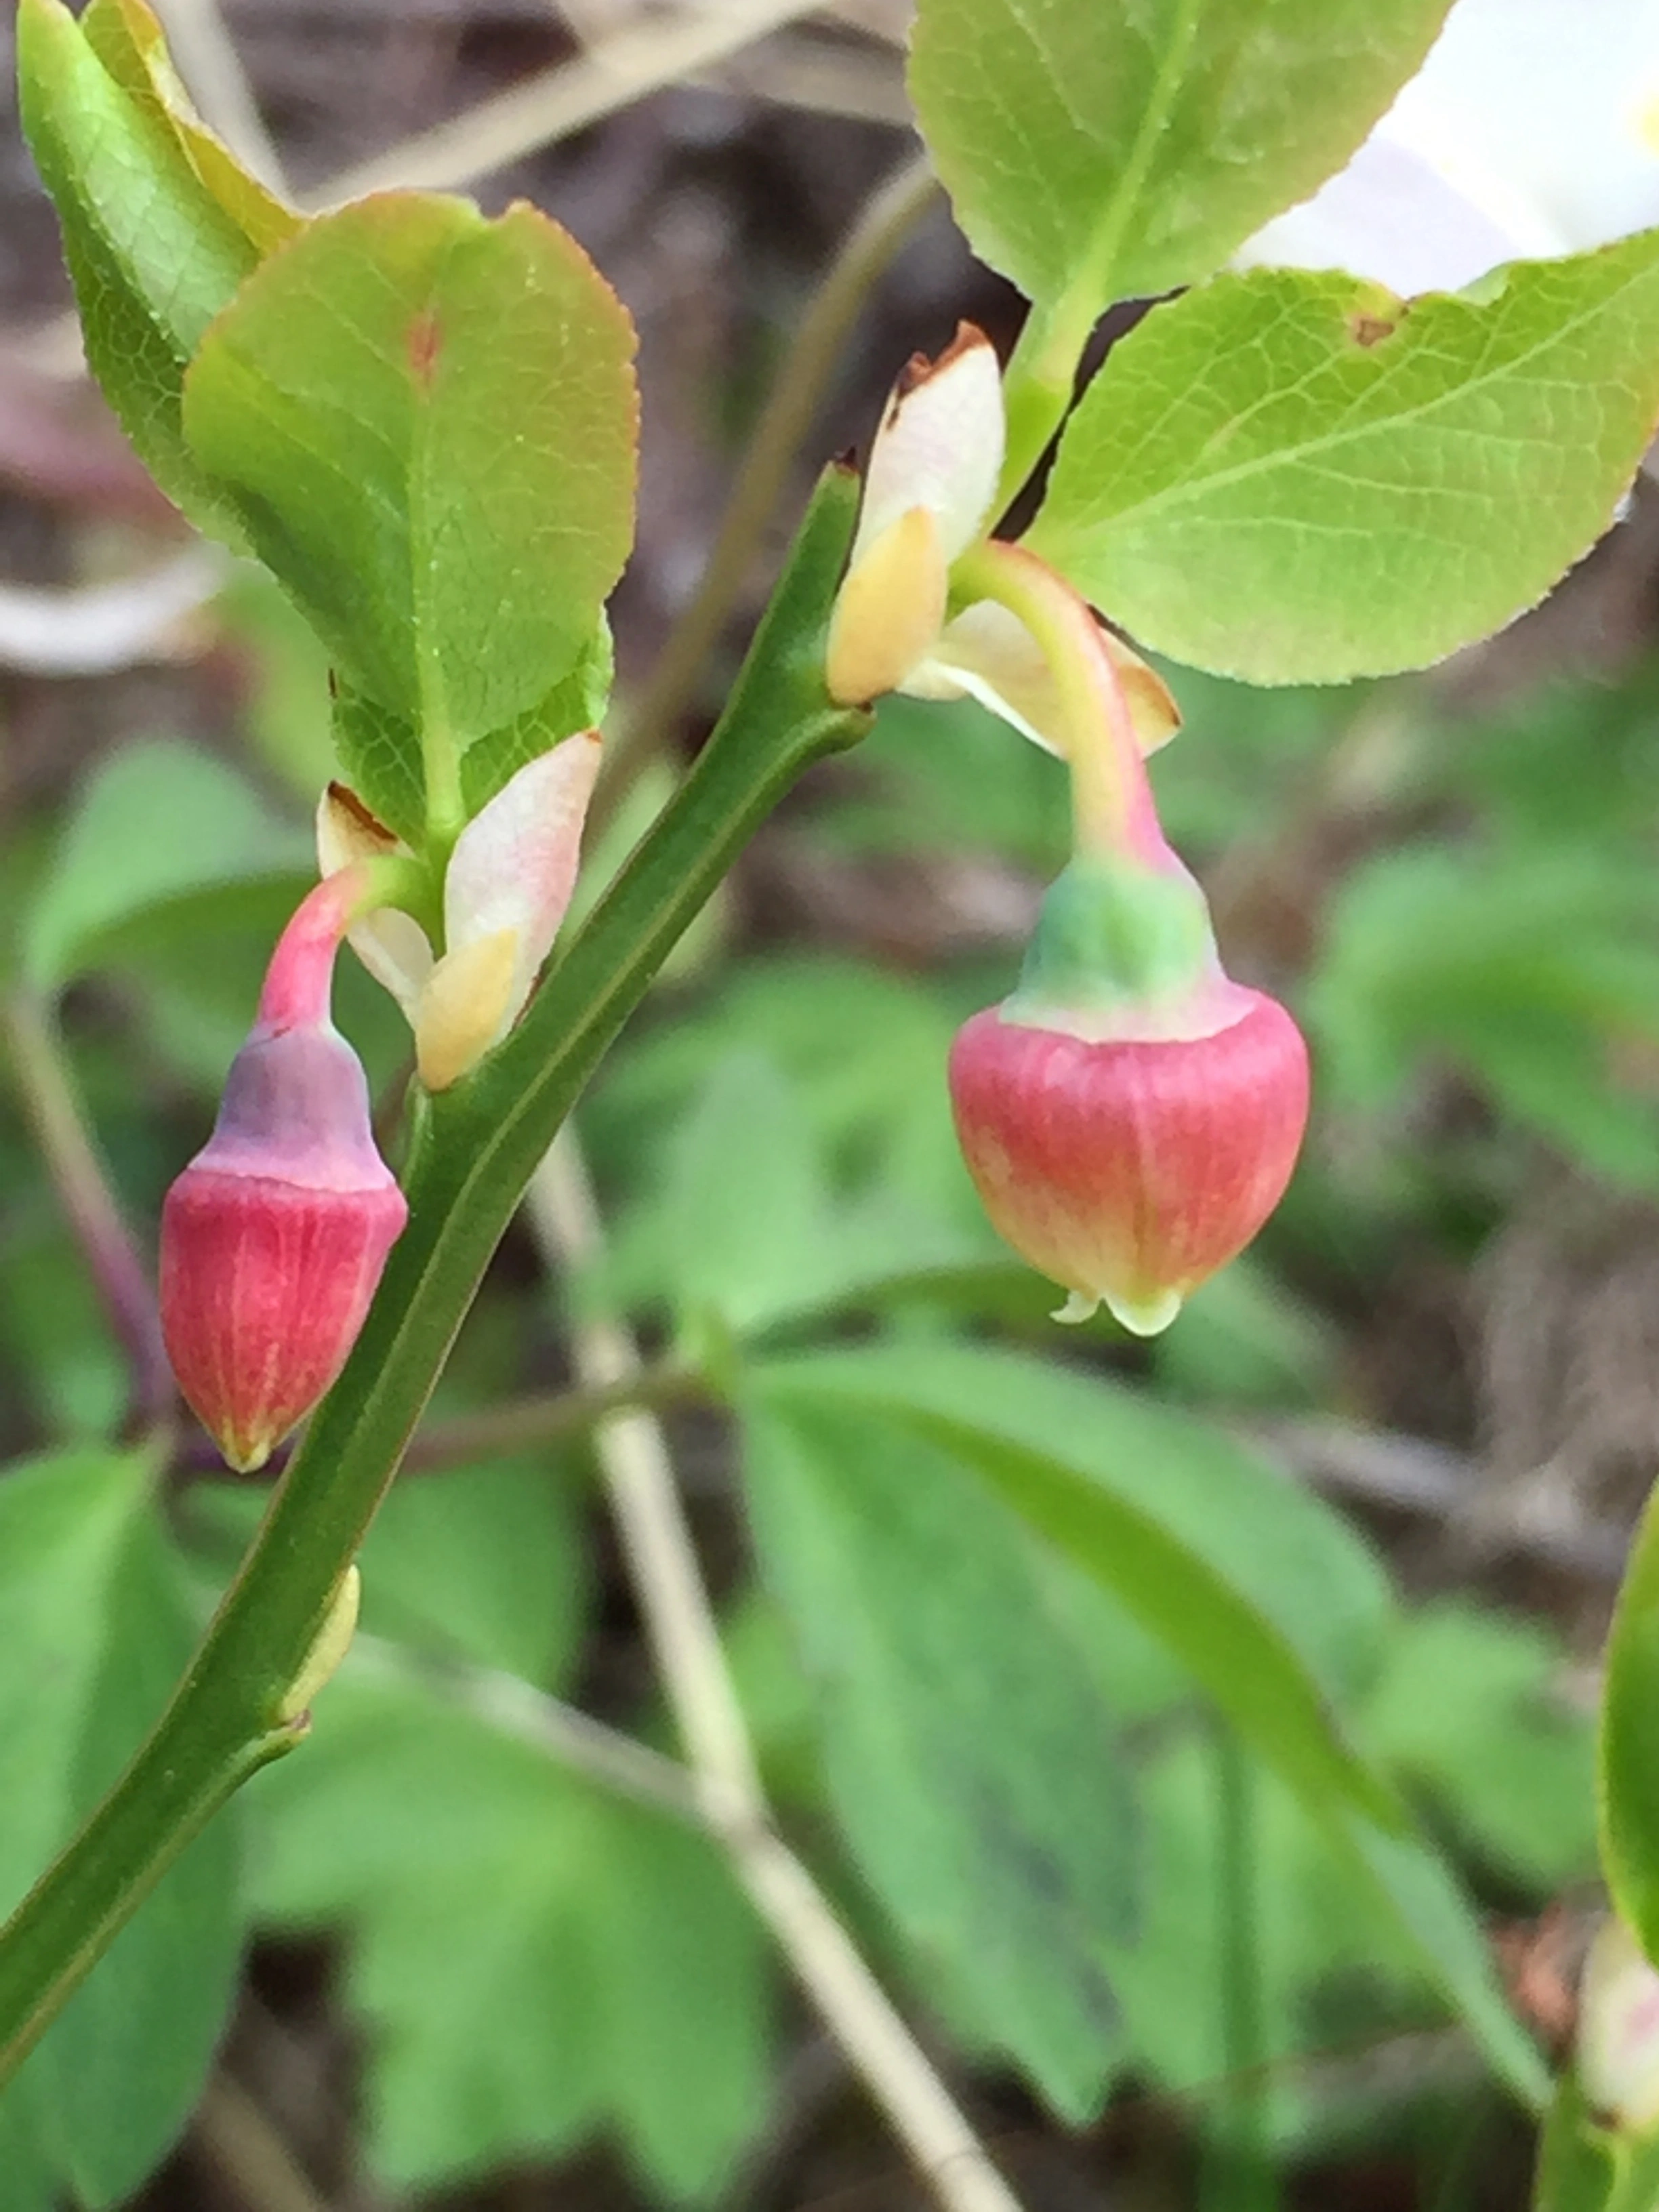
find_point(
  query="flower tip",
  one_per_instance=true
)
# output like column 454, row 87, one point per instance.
column 245, row 1456
column 1142, row 1316
column 1145, row 1316
column 940, row 446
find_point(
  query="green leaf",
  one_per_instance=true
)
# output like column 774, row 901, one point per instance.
column 128, row 41
column 1290, row 1574
column 1629, row 1753
column 746, row 1235
column 1260, row 1592
column 153, row 255
column 429, row 420
column 1429, row 1907
column 743, row 1226
column 970, row 1755
column 159, row 826
column 1125, row 147
column 1467, row 1709
column 379, row 751
column 380, row 756
column 65, row 1363
column 595, row 1963
column 1298, row 478
column 1317, row 1929
column 1533, row 970
column 481, row 1563
column 93, row 1631
column 577, row 701
column 864, row 1050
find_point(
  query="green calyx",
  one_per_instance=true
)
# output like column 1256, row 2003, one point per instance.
column 1116, row 938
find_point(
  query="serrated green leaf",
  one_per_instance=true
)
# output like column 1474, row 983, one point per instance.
column 153, row 254
column 1128, row 146
column 465, row 1862
column 430, row 421
column 93, row 1630
column 159, row 824
column 379, row 757
column 130, row 43
column 973, row 1761
column 1296, row 478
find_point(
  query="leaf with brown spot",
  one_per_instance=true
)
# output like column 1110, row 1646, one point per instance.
column 430, row 423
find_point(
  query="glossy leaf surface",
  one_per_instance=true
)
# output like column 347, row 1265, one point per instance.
column 1131, row 147
column 428, row 420
column 1298, row 479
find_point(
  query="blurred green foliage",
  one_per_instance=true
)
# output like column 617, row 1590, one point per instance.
column 1003, row 1759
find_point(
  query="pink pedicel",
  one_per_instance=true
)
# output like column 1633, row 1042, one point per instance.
column 1130, row 1169
column 274, row 1237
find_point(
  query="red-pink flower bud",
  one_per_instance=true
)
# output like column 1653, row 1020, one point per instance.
column 274, row 1237
column 1129, row 1143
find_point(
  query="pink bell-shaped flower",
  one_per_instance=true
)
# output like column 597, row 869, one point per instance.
column 274, row 1237
column 1130, row 1115
column 1130, row 1167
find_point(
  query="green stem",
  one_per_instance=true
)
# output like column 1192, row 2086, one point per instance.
column 1239, row 2174
column 1112, row 809
column 1037, row 386
column 473, row 1151
column 1042, row 374
column 524, row 1423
